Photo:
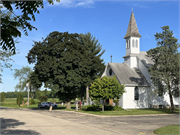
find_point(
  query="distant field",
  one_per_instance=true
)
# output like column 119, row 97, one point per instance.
column 11, row 102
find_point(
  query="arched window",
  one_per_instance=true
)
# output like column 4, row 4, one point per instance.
column 136, row 43
column 136, row 93
column 133, row 43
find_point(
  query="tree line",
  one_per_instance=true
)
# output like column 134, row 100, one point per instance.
column 38, row 93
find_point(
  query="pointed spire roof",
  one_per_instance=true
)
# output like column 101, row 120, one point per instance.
column 132, row 28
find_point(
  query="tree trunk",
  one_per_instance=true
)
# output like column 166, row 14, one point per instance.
column 68, row 104
column 171, row 101
column 87, row 94
column 103, row 106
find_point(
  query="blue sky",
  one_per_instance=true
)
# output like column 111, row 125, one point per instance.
column 106, row 20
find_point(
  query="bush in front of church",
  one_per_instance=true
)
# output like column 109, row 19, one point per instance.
column 92, row 107
column 117, row 108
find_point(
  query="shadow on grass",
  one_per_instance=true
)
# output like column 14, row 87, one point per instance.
column 6, row 124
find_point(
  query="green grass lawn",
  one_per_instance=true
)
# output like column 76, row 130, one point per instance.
column 133, row 112
column 168, row 130
column 11, row 102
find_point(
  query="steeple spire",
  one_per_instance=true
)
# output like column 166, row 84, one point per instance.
column 132, row 27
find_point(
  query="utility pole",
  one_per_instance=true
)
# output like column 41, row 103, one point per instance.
column 28, row 94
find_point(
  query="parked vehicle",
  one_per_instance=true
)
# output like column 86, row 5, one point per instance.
column 46, row 105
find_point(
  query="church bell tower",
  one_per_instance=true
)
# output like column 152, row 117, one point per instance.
column 132, row 37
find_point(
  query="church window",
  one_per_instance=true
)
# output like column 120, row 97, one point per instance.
column 126, row 44
column 136, row 93
column 136, row 43
column 133, row 43
column 129, row 44
column 110, row 72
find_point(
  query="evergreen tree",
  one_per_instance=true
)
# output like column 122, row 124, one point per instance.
column 93, row 63
column 2, row 96
column 165, row 71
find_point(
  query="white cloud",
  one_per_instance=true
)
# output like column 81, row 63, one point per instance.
column 74, row 3
column 147, row 36
column 138, row 4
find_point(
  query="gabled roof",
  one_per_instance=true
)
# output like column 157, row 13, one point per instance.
column 142, row 56
column 132, row 28
column 127, row 75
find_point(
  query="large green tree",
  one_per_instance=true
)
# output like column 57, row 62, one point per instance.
column 61, row 59
column 165, row 71
column 94, row 64
column 106, row 88
column 13, row 26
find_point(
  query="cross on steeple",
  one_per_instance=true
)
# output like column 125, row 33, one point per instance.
column 111, row 58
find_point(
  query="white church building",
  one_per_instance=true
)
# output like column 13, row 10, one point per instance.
column 133, row 73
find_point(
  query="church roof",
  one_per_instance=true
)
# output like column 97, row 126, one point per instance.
column 142, row 56
column 127, row 75
column 132, row 28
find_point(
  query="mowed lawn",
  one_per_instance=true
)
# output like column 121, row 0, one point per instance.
column 133, row 112
column 168, row 130
column 11, row 102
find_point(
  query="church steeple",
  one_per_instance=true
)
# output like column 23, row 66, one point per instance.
column 132, row 37
column 132, row 28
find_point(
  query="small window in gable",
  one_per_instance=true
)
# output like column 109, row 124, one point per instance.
column 110, row 72
column 136, row 93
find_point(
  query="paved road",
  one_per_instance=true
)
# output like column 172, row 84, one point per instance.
column 16, row 121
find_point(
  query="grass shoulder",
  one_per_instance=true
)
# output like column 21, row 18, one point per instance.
column 167, row 130
column 133, row 112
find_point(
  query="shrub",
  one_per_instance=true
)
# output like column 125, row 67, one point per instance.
column 32, row 101
column 108, row 107
column 2, row 97
column 97, row 102
column 19, row 99
column 43, row 98
column 116, row 101
column 92, row 107
column 117, row 108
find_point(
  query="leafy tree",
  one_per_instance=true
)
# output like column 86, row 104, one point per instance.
column 106, row 88
column 61, row 59
column 5, row 61
column 23, row 75
column 2, row 96
column 165, row 71
column 54, row 89
column 10, row 28
column 43, row 98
